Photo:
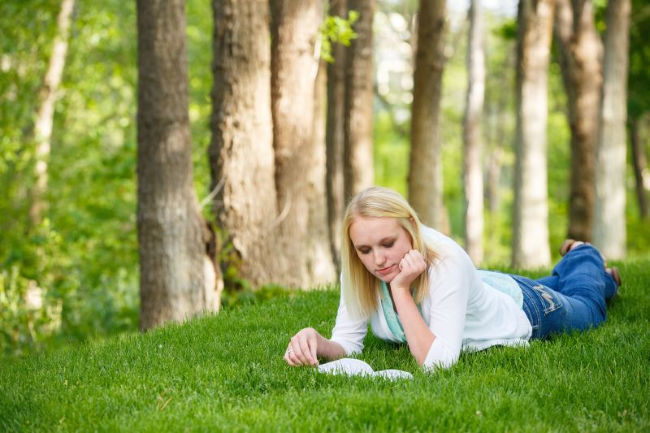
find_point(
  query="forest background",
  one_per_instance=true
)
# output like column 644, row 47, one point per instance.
column 82, row 256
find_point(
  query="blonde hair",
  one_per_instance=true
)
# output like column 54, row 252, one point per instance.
column 360, row 287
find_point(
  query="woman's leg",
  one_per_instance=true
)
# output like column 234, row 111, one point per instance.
column 582, row 273
column 572, row 298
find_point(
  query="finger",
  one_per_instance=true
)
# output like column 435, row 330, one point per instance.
column 287, row 358
column 406, row 263
column 294, row 359
column 298, row 354
column 293, row 353
column 416, row 259
column 305, row 352
column 314, row 352
column 311, row 350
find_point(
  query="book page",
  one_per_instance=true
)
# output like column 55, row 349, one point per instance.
column 349, row 366
column 393, row 374
column 356, row 367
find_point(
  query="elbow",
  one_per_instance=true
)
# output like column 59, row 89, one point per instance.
column 438, row 364
column 422, row 355
column 439, row 355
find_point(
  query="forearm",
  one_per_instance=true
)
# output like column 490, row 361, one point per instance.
column 418, row 335
column 329, row 349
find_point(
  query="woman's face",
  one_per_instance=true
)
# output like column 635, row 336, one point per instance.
column 380, row 243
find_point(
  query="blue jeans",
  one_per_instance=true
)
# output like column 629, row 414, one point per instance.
column 572, row 297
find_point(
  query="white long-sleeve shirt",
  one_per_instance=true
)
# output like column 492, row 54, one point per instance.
column 461, row 311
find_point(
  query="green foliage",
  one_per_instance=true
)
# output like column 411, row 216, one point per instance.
column 337, row 29
column 391, row 153
column 199, row 47
column 507, row 30
column 639, row 58
column 83, row 255
column 226, row 373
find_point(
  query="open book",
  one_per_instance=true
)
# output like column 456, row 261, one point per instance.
column 356, row 367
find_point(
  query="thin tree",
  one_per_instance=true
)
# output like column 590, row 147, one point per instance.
column 609, row 224
column 242, row 160
column 334, row 137
column 319, row 136
column 638, row 99
column 473, row 173
column 358, row 156
column 530, row 247
column 177, row 279
column 640, row 166
column 45, row 115
column 299, row 159
column 425, row 168
column 580, row 52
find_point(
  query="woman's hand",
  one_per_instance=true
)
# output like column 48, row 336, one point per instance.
column 411, row 266
column 303, row 348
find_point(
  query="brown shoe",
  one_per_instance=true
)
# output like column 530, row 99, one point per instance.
column 568, row 245
column 613, row 271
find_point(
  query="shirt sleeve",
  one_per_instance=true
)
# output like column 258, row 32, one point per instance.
column 348, row 331
column 449, row 285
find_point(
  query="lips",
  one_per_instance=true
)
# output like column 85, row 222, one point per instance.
column 385, row 271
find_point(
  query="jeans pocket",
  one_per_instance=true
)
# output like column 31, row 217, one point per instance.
column 548, row 299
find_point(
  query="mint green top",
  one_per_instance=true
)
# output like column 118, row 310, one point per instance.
column 497, row 280
column 390, row 315
column 503, row 283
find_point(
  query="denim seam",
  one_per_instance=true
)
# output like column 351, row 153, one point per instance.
column 557, row 303
column 534, row 312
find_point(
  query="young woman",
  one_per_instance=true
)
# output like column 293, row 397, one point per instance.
column 418, row 286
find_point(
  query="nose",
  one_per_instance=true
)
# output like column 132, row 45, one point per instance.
column 379, row 257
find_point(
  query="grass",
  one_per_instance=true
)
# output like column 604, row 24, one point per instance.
column 225, row 373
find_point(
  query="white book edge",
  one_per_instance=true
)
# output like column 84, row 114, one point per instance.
column 356, row 367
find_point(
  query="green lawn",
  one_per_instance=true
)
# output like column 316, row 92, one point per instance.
column 226, row 373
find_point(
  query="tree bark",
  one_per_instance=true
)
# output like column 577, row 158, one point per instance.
column 358, row 156
column 494, row 162
column 45, row 115
column 172, row 241
column 473, row 174
column 242, row 160
column 499, row 133
column 425, row 173
column 640, row 165
column 299, row 159
column 335, row 139
column 580, row 52
column 530, row 246
column 609, row 224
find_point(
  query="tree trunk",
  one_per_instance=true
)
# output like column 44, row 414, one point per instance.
column 495, row 154
column 530, row 223
column 609, row 224
column 358, row 156
column 640, row 165
column 335, row 139
column 173, row 261
column 499, row 133
column 580, row 52
column 319, row 128
column 299, row 159
column 45, row 114
column 473, row 175
column 425, row 171
column 242, row 159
